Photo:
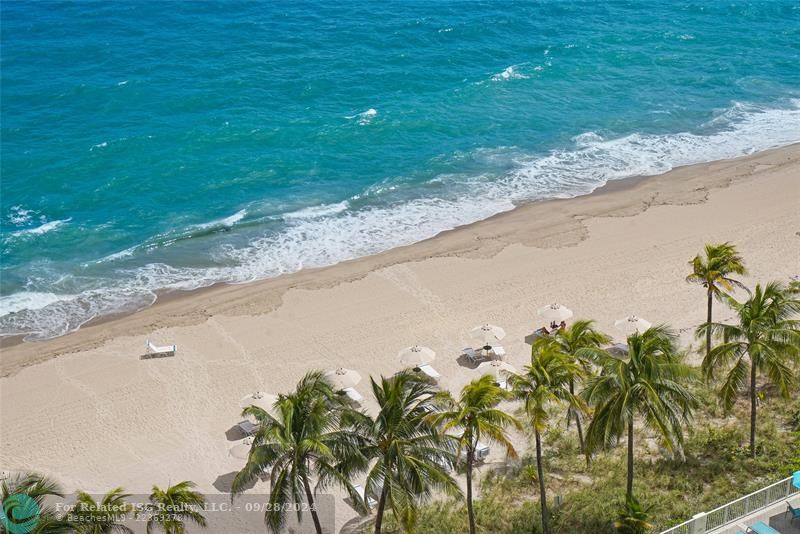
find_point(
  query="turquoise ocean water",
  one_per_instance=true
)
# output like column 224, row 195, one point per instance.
column 151, row 146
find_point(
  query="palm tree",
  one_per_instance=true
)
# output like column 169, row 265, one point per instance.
column 174, row 506
column 23, row 498
column 582, row 343
column 104, row 517
column 712, row 272
column 651, row 384
column 475, row 416
column 766, row 339
column 545, row 381
column 304, row 440
column 412, row 457
column 632, row 518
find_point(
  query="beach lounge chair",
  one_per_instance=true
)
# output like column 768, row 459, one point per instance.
column 482, row 451
column 155, row 351
column 795, row 512
column 353, row 395
column 499, row 351
column 247, row 427
column 761, row 528
column 472, row 355
column 430, row 371
column 361, row 492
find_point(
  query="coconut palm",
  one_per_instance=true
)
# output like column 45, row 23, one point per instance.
column 765, row 340
column 544, row 382
column 582, row 343
column 303, row 441
column 30, row 511
column 650, row 384
column 412, row 458
column 712, row 272
column 104, row 517
column 474, row 416
column 173, row 507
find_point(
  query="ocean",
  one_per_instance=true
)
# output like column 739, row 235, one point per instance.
column 161, row 146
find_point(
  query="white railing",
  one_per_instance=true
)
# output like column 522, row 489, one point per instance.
column 735, row 510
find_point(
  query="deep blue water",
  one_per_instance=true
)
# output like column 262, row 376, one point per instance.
column 169, row 145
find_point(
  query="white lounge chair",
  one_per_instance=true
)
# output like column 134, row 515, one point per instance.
column 481, row 451
column 353, row 395
column 499, row 351
column 155, row 350
column 361, row 492
column 430, row 371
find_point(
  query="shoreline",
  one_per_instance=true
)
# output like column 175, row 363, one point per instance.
column 550, row 223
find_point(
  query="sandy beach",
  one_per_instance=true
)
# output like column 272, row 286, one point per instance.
column 87, row 410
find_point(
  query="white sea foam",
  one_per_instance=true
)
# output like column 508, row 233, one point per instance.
column 314, row 212
column 365, row 117
column 123, row 82
column 99, row 145
column 18, row 216
column 29, row 300
column 331, row 233
column 509, row 73
column 44, row 228
column 226, row 222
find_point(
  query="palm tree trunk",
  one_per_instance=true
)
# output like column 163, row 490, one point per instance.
column 470, row 511
column 310, row 499
column 381, row 507
column 752, row 407
column 542, row 491
column 577, row 419
column 708, row 320
column 629, row 489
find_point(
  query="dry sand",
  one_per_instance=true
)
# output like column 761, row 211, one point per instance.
column 86, row 409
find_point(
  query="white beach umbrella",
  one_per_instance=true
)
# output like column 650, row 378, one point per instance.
column 242, row 450
column 342, row 378
column 415, row 356
column 632, row 324
column 555, row 312
column 265, row 401
column 487, row 334
column 496, row 368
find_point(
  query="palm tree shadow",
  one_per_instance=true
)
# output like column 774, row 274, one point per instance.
column 224, row 482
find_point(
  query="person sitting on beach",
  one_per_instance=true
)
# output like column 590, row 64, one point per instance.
column 563, row 325
column 544, row 330
column 553, row 325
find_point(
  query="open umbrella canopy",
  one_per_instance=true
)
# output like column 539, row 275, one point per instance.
column 555, row 312
column 265, row 401
column 487, row 334
column 242, row 450
column 632, row 324
column 415, row 356
column 496, row 368
column 342, row 378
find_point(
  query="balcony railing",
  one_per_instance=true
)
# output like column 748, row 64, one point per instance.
column 735, row 510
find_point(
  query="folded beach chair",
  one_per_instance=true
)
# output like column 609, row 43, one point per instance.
column 430, row 371
column 472, row 355
column 247, row 427
column 353, row 395
column 166, row 350
column 361, row 491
